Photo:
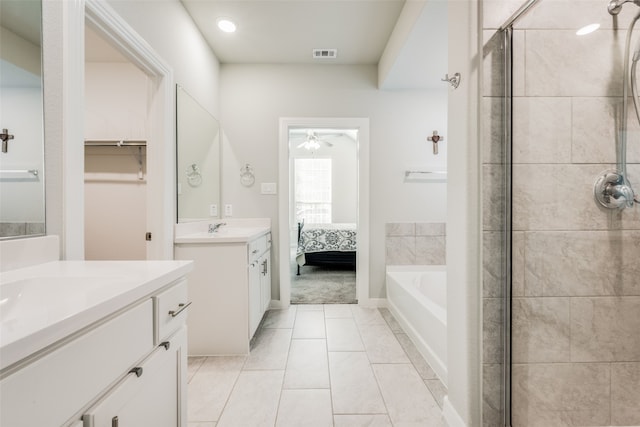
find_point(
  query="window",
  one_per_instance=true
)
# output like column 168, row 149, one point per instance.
column 313, row 190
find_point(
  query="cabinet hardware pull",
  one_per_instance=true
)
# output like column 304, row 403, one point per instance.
column 114, row 422
column 137, row 370
column 255, row 251
column 166, row 345
column 181, row 308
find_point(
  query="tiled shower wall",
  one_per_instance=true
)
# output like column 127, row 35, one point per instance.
column 421, row 243
column 576, row 271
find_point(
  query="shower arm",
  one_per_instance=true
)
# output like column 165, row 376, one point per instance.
column 615, row 6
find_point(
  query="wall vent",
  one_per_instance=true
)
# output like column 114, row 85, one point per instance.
column 325, row 53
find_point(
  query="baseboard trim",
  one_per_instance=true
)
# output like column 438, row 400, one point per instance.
column 450, row 414
column 374, row 302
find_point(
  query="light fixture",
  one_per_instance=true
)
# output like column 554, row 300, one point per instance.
column 227, row 25
column 587, row 29
column 310, row 144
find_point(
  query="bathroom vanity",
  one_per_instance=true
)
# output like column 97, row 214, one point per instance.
column 88, row 343
column 230, row 284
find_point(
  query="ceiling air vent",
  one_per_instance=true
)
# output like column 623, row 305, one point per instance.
column 325, row 53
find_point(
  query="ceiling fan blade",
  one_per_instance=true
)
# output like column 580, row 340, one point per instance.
column 329, row 144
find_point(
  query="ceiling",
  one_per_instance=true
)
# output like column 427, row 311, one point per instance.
column 407, row 40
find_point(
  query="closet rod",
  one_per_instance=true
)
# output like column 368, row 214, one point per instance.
column 114, row 143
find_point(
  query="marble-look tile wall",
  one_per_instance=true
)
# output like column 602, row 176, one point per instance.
column 420, row 243
column 576, row 292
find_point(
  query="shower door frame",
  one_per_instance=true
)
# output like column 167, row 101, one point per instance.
column 507, row 44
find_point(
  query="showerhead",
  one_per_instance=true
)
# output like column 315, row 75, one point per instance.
column 615, row 6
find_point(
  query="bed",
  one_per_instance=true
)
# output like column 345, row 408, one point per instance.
column 326, row 245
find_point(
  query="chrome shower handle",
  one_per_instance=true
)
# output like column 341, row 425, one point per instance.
column 615, row 6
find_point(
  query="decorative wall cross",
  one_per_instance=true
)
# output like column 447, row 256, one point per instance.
column 435, row 138
column 5, row 137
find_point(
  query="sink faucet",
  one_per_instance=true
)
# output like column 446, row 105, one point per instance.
column 214, row 227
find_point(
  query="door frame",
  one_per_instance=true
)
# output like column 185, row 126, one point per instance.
column 161, row 140
column 362, row 216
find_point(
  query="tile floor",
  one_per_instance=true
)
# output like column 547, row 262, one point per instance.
column 318, row 365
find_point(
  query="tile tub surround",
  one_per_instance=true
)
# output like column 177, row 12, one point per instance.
column 420, row 243
column 576, row 349
column 328, row 371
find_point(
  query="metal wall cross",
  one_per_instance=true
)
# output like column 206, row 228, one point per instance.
column 5, row 137
column 435, row 138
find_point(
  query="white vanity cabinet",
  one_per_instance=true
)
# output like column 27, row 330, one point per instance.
column 153, row 393
column 130, row 364
column 230, row 287
column 259, row 280
column 265, row 275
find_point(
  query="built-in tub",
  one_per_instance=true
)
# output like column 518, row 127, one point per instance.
column 417, row 297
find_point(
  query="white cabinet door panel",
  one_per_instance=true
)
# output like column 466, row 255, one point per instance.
column 151, row 399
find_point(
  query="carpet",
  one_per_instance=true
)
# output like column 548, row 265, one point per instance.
column 319, row 285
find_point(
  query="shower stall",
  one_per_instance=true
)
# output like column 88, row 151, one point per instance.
column 561, row 232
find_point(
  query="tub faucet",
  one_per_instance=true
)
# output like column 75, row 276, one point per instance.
column 214, row 227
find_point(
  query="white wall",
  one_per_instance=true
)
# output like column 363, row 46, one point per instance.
column 115, row 101
column 254, row 97
column 169, row 30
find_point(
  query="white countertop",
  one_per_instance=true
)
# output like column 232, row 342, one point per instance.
column 224, row 235
column 42, row 304
column 236, row 230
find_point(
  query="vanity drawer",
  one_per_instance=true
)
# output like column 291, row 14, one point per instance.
column 170, row 309
column 51, row 389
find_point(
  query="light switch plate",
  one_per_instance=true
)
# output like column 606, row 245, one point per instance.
column 268, row 188
column 228, row 210
column 213, row 210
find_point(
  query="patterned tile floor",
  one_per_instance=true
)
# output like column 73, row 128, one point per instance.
column 318, row 365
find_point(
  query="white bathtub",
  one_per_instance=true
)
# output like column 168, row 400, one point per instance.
column 417, row 297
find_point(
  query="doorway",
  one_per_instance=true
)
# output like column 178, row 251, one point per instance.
column 159, row 168
column 116, row 94
column 323, row 210
column 324, row 165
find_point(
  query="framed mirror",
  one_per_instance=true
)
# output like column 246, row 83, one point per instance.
column 197, row 160
column 22, row 209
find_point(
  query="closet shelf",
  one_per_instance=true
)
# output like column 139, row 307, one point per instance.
column 115, row 143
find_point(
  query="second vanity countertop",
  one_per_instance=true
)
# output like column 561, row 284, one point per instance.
column 237, row 230
column 42, row 304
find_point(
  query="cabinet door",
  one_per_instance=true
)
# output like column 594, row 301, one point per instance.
column 151, row 395
column 255, row 302
column 265, row 280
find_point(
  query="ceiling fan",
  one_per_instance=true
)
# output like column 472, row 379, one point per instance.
column 312, row 140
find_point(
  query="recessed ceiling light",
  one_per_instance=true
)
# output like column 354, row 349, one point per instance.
column 227, row 25
column 587, row 29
